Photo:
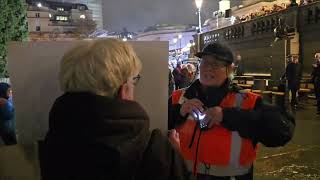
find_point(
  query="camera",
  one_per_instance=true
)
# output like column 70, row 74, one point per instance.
column 200, row 118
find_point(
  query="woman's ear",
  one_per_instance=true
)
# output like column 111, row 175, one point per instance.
column 123, row 92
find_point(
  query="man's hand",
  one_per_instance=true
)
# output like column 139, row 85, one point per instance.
column 214, row 116
column 191, row 105
column 174, row 139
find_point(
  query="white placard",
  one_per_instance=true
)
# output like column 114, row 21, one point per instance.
column 34, row 66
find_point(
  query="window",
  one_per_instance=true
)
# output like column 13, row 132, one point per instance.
column 61, row 18
column 37, row 15
column 38, row 28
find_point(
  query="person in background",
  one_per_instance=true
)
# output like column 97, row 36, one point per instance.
column 96, row 129
column 7, row 115
column 238, row 64
column 315, row 78
column 220, row 125
column 185, row 77
column 177, row 75
column 293, row 75
column 171, row 83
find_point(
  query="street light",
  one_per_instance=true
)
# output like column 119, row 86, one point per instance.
column 175, row 40
column 199, row 4
column 179, row 37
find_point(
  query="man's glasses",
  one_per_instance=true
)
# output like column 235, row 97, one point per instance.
column 136, row 79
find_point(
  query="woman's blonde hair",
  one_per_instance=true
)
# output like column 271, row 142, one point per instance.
column 99, row 67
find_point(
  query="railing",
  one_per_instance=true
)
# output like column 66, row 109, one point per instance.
column 261, row 25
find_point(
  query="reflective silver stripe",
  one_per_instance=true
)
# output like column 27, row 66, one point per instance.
column 235, row 150
column 235, row 138
column 239, row 100
column 219, row 170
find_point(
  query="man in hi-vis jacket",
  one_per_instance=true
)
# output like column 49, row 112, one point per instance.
column 220, row 125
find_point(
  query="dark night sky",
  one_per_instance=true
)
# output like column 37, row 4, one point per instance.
column 137, row 14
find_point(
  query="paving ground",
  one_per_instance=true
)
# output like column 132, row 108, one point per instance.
column 300, row 159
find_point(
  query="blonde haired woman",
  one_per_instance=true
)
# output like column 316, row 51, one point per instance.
column 96, row 129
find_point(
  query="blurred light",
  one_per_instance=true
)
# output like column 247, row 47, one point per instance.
column 224, row 5
column 82, row 16
column 175, row 40
column 189, row 45
column 50, row 15
column 179, row 36
column 240, row 6
column 39, row 5
column 124, row 39
column 233, row 19
column 199, row 3
column 193, row 44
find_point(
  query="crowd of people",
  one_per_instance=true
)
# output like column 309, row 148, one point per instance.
column 181, row 76
column 266, row 10
column 263, row 11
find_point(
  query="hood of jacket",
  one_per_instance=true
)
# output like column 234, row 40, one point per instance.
column 114, row 131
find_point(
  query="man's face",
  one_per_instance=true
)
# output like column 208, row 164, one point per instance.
column 295, row 59
column 212, row 71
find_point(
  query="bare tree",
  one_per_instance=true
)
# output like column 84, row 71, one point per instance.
column 83, row 27
column 54, row 34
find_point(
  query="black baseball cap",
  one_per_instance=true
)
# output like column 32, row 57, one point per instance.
column 219, row 51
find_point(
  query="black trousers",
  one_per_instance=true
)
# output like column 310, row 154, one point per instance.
column 293, row 96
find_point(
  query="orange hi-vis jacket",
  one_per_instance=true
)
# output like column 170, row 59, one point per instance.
column 217, row 151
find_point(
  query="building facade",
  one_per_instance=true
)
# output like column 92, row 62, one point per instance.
column 94, row 5
column 48, row 19
column 179, row 36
